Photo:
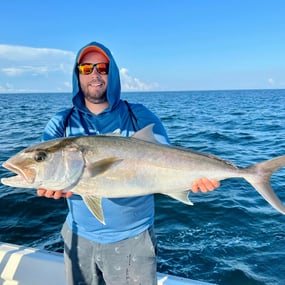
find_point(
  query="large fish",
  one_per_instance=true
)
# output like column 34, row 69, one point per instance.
column 114, row 166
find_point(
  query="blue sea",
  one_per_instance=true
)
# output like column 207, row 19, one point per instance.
column 230, row 236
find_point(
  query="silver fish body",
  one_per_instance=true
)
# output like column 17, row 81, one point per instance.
column 113, row 166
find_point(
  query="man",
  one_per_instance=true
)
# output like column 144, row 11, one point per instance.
column 122, row 251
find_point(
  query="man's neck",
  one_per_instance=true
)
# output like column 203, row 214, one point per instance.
column 96, row 108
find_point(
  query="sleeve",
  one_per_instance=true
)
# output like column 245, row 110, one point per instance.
column 55, row 128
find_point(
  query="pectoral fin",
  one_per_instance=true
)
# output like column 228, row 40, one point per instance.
column 94, row 204
column 102, row 166
column 181, row 196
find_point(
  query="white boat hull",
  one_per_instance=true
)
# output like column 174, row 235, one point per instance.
column 20, row 265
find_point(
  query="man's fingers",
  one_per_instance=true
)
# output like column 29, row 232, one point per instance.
column 216, row 183
column 57, row 194
column 194, row 187
column 41, row 192
column 49, row 193
column 53, row 194
column 68, row 194
column 204, row 185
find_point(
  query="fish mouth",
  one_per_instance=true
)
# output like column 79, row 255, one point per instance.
column 23, row 176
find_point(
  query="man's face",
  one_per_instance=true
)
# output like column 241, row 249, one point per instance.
column 94, row 85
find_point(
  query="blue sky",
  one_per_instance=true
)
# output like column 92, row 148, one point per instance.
column 158, row 44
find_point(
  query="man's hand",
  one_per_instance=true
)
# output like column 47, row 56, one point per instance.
column 204, row 185
column 53, row 194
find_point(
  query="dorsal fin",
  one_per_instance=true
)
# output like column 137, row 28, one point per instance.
column 146, row 134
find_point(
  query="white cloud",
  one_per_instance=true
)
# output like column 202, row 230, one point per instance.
column 27, row 54
column 271, row 81
column 20, row 65
column 21, row 59
column 29, row 69
column 276, row 82
column 67, row 84
column 18, row 71
column 130, row 83
column 6, row 86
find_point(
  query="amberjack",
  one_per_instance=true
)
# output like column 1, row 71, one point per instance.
column 110, row 166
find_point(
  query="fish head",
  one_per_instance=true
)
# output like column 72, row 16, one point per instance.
column 53, row 165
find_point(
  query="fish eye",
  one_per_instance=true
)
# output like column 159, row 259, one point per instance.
column 40, row 156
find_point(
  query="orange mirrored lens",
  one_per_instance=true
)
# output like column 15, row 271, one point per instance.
column 87, row 68
column 102, row 68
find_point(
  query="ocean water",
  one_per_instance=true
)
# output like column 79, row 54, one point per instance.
column 230, row 236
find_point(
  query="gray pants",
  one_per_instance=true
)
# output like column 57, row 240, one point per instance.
column 128, row 262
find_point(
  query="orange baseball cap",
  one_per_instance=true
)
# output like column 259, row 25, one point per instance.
column 91, row 49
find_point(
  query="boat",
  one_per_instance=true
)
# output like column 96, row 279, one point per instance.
column 22, row 265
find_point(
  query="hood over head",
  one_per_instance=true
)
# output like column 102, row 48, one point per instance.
column 114, row 86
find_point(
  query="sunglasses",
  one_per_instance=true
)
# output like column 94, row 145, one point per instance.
column 87, row 68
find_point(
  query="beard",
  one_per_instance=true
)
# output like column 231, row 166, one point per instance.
column 94, row 95
column 97, row 98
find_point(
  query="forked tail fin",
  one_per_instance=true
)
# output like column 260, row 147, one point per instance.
column 259, row 177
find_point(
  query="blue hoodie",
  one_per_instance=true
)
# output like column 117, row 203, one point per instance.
column 124, row 217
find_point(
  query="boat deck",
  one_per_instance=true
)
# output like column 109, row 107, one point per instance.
column 20, row 265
